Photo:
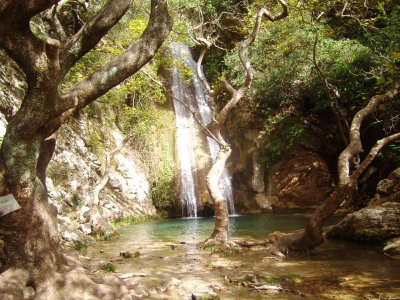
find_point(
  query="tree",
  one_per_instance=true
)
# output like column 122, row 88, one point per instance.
column 349, row 166
column 312, row 236
column 29, row 247
column 220, row 234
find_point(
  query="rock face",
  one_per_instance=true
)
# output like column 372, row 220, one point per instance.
column 388, row 190
column 303, row 181
column 75, row 171
column 78, row 165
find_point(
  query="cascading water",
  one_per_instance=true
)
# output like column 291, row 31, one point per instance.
column 195, row 96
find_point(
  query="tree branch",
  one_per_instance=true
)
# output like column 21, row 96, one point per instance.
column 118, row 69
column 91, row 33
column 355, row 147
column 372, row 153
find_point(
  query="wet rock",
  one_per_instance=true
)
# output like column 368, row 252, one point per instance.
column 392, row 246
column 167, row 283
column 205, row 296
column 372, row 224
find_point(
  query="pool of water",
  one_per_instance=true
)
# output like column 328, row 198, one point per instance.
column 197, row 229
column 336, row 270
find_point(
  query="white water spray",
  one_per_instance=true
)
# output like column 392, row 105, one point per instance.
column 196, row 98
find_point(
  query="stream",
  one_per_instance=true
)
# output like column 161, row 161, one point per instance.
column 335, row 270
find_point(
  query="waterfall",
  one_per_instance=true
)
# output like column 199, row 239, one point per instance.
column 196, row 97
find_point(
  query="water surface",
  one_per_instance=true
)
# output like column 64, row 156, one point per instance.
column 336, row 270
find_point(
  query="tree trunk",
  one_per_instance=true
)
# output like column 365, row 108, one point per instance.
column 312, row 236
column 220, row 234
column 30, row 253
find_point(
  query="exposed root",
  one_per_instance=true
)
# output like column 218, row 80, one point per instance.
column 253, row 243
column 259, row 287
column 210, row 242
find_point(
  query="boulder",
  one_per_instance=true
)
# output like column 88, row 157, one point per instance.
column 301, row 182
column 86, row 228
column 388, row 190
column 371, row 224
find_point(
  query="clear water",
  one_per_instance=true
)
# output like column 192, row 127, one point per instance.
column 336, row 270
column 198, row 229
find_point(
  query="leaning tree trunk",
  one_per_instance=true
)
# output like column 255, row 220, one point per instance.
column 312, row 236
column 220, row 234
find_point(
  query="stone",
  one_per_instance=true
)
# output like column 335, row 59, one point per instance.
column 386, row 186
column 371, row 224
column 205, row 296
column 86, row 228
column 301, row 182
column 128, row 254
column 392, row 246
column 167, row 283
column 29, row 292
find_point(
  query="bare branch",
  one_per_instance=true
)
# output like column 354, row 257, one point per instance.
column 355, row 147
column 372, row 153
column 56, row 23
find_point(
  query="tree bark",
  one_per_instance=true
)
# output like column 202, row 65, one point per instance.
column 220, row 234
column 312, row 236
column 30, row 252
column 99, row 223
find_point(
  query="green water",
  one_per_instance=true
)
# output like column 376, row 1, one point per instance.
column 336, row 270
column 197, row 229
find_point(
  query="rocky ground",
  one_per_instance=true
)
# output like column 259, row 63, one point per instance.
column 337, row 270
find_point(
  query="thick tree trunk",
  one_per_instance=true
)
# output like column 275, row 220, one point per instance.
column 220, row 234
column 30, row 253
column 312, row 236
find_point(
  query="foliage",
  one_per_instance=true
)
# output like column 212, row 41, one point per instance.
column 282, row 134
column 78, row 246
column 130, row 221
column 163, row 182
column 384, row 40
column 110, row 268
column 283, row 56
